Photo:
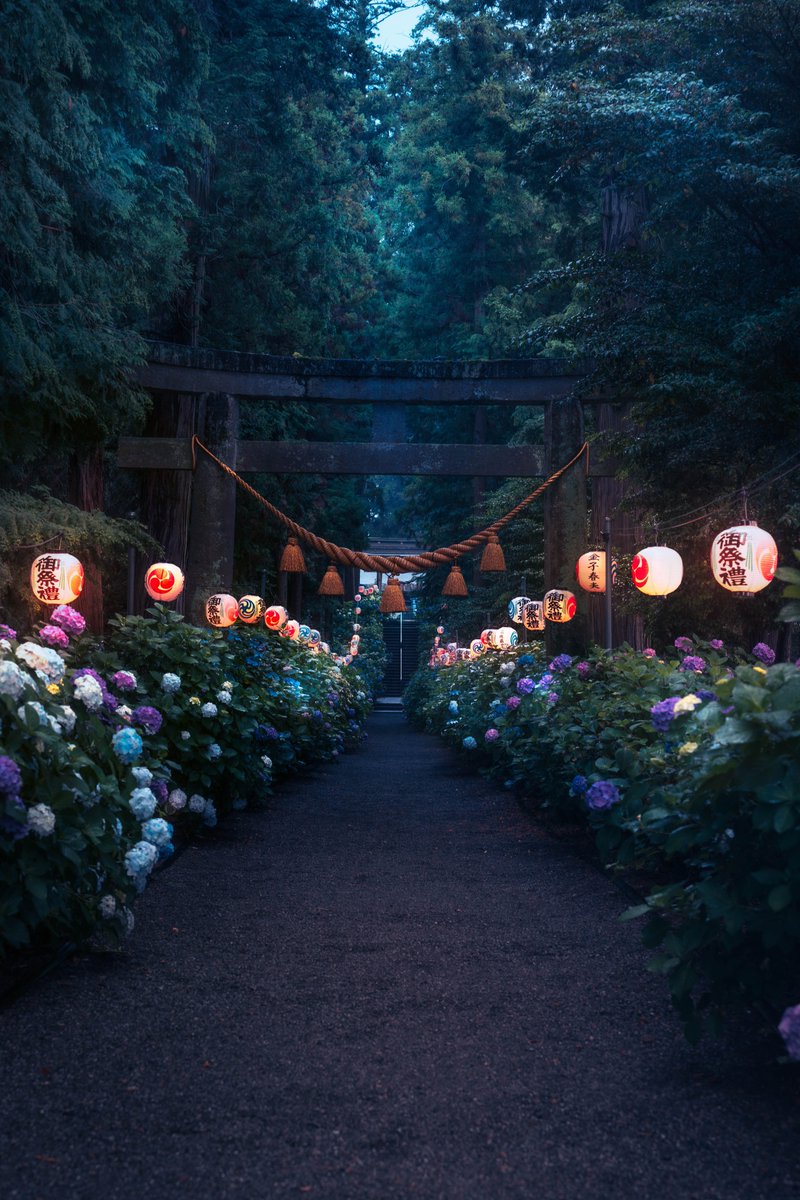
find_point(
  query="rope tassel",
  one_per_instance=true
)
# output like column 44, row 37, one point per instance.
column 292, row 557
column 331, row 582
column 455, row 584
column 393, row 599
column 493, row 558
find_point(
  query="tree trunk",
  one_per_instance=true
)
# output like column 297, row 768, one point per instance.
column 86, row 491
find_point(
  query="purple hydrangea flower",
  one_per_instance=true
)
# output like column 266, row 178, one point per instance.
column 693, row 662
column 10, row 777
column 764, row 653
column 14, row 822
column 583, row 670
column 492, row 735
column 51, row 635
column 160, row 790
column 716, row 644
column 149, row 718
column 7, row 632
column 124, row 680
column 683, row 644
column 602, row 795
column 705, row 694
column 525, row 685
column 789, row 1029
column 513, row 702
column 552, row 697
column 663, row 713
column 560, row 662
column 579, row 785
column 649, row 652
column 69, row 619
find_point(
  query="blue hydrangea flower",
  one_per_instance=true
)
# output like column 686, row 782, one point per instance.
column 142, row 803
column 170, row 683
column 579, row 785
column 214, row 750
column 453, row 707
column 560, row 662
column 140, row 859
column 209, row 709
column 127, row 745
column 602, row 795
column 157, row 831
column 663, row 713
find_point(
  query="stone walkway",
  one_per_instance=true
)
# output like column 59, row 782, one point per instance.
column 390, row 985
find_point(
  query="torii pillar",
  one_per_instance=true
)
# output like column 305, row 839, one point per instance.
column 212, row 521
column 565, row 516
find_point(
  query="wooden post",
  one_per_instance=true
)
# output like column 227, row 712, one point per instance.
column 213, row 513
column 565, row 520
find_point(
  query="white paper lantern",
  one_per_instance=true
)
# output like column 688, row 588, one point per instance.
column 533, row 615
column 251, row 609
column 657, row 570
column 275, row 617
column 744, row 558
column 477, row 647
column 305, row 633
column 516, row 608
column 559, row 605
column 291, row 630
column 487, row 636
column 590, row 571
column 315, row 638
column 506, row 637
column 56, row 578
column 163, row 581
column 221, row 610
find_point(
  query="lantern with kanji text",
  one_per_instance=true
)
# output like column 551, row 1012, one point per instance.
column 221, row 610
column 251, row 609
column 56, row 578
column 744, row 559
column 533, row 616
column 559, row 605
column 590, row 571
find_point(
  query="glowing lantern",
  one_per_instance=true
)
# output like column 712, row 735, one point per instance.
column 291, row 630
column 559, row 606
column 744, row 558
column 657, row 570
column 275, row 617
column 163, row 581
column 315, row 637
column 477, row 647
column 590, row 571
column 516, row 608
column 56, row 578
column 506, row 637
column 221, row 610
column 487, row 637
column 251, row 609
column 533, row 615
column 304, row 633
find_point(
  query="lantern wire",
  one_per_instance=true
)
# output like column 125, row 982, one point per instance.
column 35, row 545
column 760, row 483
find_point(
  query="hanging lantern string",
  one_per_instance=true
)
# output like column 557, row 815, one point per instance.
column 378, row 562
column 708, row 509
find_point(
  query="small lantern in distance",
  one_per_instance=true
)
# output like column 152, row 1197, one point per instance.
column 506, row 637
column 251, row 609
column 657, row 570
column 56, row 578
column 559, row 605
column 221, row 610
column 163, row 581
column 291, row 630
column 516, row 608
column 744, row 559
column 275, row 617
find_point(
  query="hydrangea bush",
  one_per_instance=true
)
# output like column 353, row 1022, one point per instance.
column 109, row 749
column 687, row 767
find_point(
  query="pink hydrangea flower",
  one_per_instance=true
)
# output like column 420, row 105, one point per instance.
column 51, row 635
column 69, row 619
column 649, row 652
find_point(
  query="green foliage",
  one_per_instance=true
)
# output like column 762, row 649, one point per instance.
column 704, row 797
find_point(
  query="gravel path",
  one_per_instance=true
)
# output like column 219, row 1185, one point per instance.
column 391, row 985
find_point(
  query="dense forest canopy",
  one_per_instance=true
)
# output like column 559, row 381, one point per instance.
column 620, row 181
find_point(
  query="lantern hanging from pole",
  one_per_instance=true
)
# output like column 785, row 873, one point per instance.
column 533, row 615
column 744, row 559
column 56, row 578
column 516, row 608
column 292, row 558
column 275, row 617
column 493, row 558
column 590, row 571
column 392, row 600
column 251, row 609
column 657, row 570
column 559, row 605
column 455, row 584
column 163, row 581
column 331, row 582
column 221, row 610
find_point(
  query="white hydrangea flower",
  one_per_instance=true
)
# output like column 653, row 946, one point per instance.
column 66, row 718
column 224, row 696
column 43, row 716
column 197, row 803
column 227, row 684
column 48, row 664
column 13, row 682
column 88, row 690
column 107, row 907
column 267, row 761
column 687, row 703
column 41, row 819
column 123, row 711
column 209, row 710
column 214, row 751
column 185, row 735
column 5, row 644
column 506, row 668
column 142, row 776
column 176, row 800
column 170, row 682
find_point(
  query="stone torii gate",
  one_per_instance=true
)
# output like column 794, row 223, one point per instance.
column 223, row 380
